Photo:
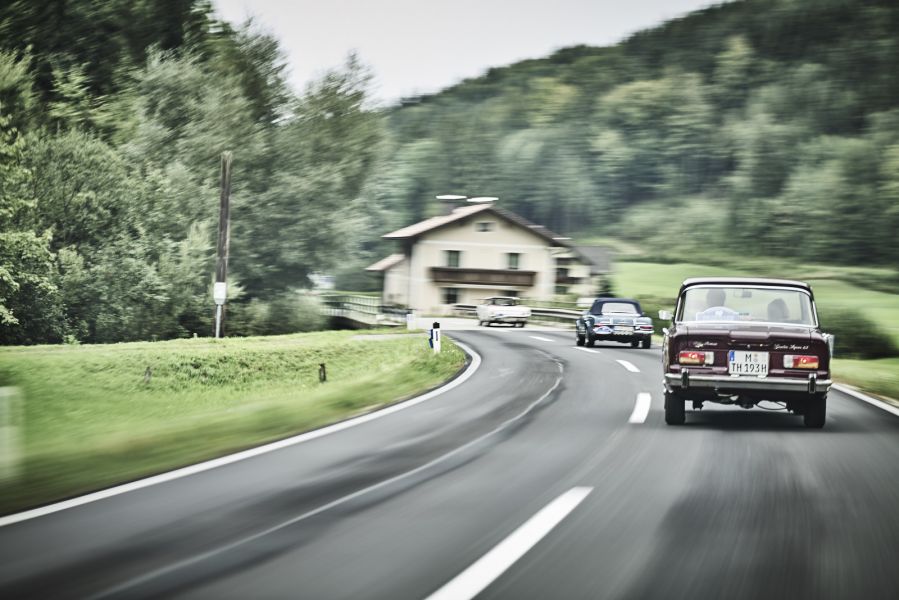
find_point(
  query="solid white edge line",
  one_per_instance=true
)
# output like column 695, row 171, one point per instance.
column 473, row 580
column 628, row 365
column 542, row 339
column 250, row 453
column 641, row 408
column 865, row 398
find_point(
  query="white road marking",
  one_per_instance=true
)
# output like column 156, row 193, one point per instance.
column 629, row 366
column 590, row 350
column 542, row 339
column 641, row 408
column 475, row 579
column 233, row 458
column 866, row 398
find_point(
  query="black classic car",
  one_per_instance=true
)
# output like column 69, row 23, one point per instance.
column 743, row 341
column 614, row 320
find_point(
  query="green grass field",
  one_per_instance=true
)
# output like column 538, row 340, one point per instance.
column 90, row 419
column 659, row 283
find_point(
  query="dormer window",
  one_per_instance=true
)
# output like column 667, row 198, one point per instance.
column 484, row 226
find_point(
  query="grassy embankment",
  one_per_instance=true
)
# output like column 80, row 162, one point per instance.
column 658, row 284
column 91, row 420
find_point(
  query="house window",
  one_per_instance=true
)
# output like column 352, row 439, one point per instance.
column 561, row 290
column 563, row 261
column 513, row 260
column 509, row 293
column 450, row 295
column 561, row 273
column 452, row 258
column 484, row 226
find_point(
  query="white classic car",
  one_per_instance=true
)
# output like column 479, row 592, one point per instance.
column 503, row 309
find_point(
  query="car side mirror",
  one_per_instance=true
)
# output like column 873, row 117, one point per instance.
column 665, row 315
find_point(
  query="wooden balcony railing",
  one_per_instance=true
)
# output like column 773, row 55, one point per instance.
column 498, row 277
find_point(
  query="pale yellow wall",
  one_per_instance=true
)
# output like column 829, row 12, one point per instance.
column 479, row 250
column 396, row 284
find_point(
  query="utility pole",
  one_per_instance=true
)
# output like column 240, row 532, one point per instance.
column 220, row 288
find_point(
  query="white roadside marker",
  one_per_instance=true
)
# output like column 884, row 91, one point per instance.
column 542, row 339
column 475, row 579
column 641, row 408
column 629, row 366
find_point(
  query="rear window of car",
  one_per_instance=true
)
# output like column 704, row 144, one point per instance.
column 506, row 301
column 621, row 308
column 752, row 304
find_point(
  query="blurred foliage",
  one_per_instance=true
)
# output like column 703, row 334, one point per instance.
column 767, row 127
column 750, row 129
column 113, row 116
column 856, row 336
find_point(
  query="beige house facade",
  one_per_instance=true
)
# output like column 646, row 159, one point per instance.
column 477, row 251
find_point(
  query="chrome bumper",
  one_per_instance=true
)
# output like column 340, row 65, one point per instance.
column 685, row 380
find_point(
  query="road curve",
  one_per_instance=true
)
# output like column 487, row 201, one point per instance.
column 548, row 474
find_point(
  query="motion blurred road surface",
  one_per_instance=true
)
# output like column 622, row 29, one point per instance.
column 549, row 473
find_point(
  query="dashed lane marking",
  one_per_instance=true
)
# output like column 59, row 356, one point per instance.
column 629, row 366
column 641, row 408
column 475, row 579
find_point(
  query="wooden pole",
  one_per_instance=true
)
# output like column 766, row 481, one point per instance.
column 224, row 239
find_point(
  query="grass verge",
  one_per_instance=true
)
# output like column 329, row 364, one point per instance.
column 879, row 377
column 91, row 417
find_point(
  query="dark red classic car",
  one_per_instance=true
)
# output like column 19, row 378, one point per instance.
column 742, row 341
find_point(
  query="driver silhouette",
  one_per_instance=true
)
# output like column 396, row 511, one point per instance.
column 715, row 308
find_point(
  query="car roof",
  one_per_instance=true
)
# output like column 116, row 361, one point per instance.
column 631, row 300
column 697, row 281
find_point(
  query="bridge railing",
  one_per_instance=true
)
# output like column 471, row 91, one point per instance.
column 363, row 309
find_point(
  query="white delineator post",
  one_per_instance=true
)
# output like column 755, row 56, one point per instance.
column 435, row 337
column 410, row 320
column 219, row 295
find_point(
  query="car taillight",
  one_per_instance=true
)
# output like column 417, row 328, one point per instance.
column 800, row 361
column 694, row 357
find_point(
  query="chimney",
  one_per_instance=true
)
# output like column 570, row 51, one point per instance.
column 450, row 202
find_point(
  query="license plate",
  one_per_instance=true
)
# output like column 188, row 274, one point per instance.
column 747, row 363
column 624, row 330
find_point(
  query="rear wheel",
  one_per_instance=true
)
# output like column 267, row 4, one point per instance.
column 635, row 343
column 815, row 412
column 675, row 413
column 580, row 340
column 521, row 323
column 647, row 343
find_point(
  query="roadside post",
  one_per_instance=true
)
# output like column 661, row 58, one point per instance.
column 220, row 289
column 410, row 320
column 10, row 433
column 435, row 337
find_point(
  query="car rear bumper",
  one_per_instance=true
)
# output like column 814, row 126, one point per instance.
column 509, row 319
column 685, row 380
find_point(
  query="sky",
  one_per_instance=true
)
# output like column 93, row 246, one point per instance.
column 422, row 46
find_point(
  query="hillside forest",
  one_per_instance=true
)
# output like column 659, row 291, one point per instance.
column 767, row 128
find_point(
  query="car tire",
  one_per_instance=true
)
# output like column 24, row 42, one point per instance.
column 635, row 343
column 815, row 412
column 647, row 343
column 521, row 324
column 580, row 340
column 591, row 341
column 488, row 323
column 675, row 410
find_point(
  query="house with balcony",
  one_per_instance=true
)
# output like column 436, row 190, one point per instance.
column 479, row 250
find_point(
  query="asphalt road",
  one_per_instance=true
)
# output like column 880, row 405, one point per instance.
column 549, row 473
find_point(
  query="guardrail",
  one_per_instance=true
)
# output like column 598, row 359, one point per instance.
column 362, row 309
